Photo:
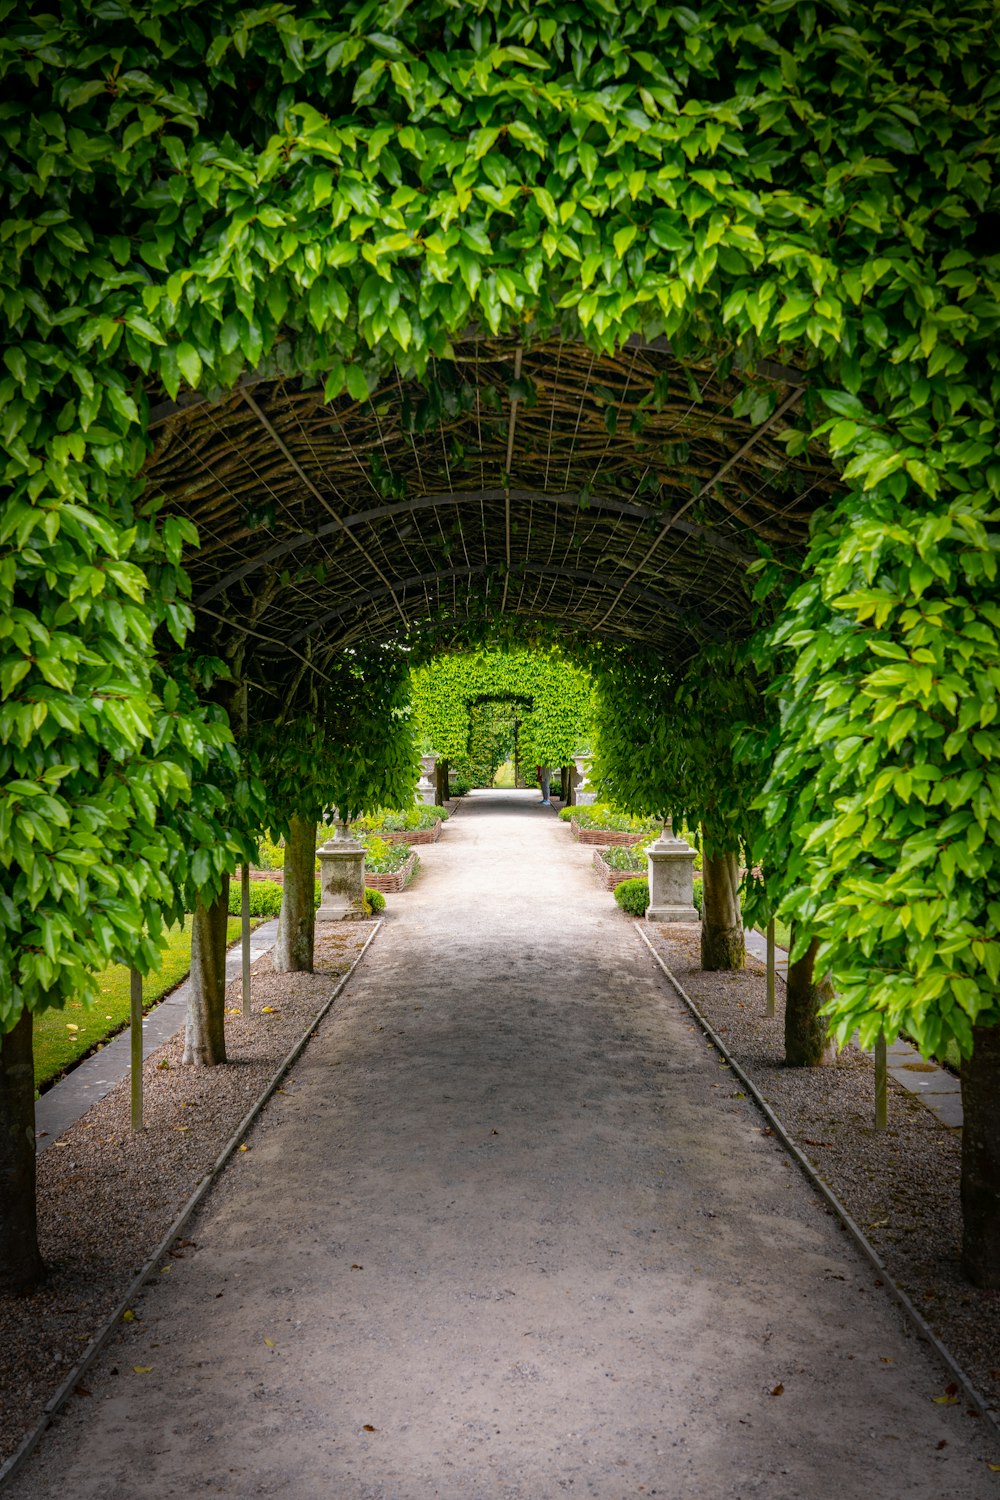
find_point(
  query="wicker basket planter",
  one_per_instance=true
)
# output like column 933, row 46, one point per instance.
column 603, row 837
column 415, row 835
column 395, row 880
column 610, row 878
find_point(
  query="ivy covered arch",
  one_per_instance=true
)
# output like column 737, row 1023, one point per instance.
column 778, row 221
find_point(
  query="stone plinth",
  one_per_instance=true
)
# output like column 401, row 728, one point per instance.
column 341, row 877
column 582, row 794
column 670, row 863
column 427, row 783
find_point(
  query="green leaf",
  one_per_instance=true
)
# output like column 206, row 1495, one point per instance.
column 189, row 363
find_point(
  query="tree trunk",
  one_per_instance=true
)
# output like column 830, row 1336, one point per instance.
column 293, row 947
column 807, row 1041
column 205, row 1034
column 21, row 1266
column 722, row 942
column 981, row 1159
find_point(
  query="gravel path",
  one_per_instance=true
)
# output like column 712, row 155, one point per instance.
column 510, row 1235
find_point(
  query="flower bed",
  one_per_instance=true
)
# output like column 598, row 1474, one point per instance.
column 610, row 877
column 605, row 837
column 390, row 882
column 414, row 836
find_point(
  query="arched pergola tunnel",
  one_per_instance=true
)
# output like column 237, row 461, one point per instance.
column 522, row 320
column 620, row 496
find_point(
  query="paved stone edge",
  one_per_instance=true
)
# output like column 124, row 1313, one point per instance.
column 110, row 1324
column 988, row 1413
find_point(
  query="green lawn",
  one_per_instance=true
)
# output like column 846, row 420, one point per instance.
column 62, row 1037
column 782, row 934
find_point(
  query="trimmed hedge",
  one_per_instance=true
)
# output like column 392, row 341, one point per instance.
column 633, row 896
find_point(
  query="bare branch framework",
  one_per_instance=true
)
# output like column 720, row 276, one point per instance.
column 541, row 480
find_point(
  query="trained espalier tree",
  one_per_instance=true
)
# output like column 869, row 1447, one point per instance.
column 353, row 750
column 198, row 190
column 557, row 714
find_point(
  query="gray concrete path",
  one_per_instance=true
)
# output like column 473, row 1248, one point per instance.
column 511, row 1233
column 69, row 1099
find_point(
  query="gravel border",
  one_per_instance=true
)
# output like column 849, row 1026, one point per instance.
column 108, row 1196
column 900, row 1186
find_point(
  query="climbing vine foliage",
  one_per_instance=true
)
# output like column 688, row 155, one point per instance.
column 195, row 191
column 555, row 696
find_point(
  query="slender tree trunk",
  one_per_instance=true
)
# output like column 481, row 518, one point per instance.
column 293, row 947
column 722, row 942
column 205, row 1036
column 807, row 1041
column 21, row 1266
column 981, row 1159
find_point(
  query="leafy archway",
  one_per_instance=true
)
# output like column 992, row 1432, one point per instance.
column 553, row 694
column 203, row 197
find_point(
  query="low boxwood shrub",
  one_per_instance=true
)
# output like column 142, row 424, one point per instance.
column 633, row 896
column 265, row 898
column 698, row 895
column 374, row 902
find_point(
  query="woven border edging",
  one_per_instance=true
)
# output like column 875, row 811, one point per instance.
column 987, row 1412
column 110, row 1324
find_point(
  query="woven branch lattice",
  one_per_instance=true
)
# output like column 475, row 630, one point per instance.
column 548, row 483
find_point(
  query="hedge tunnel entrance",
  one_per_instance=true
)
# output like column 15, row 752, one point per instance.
column 670, row 335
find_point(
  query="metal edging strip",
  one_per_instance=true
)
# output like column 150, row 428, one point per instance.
column 985, row 1410
column 110, row 1324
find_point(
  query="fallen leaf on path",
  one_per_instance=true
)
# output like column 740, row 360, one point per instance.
column 945, row 1400
column 244, row 1148
column 268, row 1010
column 993, row 1468
column 269, row 1343
column 143, row 1369
column 128, row 1316
column 369, row 1428
column 779, row 1389
column 357, row 1268
column 807, row 1140
column 942, row 1444
column 887, row 1359
column 81, row 1390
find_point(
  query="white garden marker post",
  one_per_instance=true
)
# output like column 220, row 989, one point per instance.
column 770, row 968
column 135, row 1038
column 245, row 889
column 881, row 1084
column 245, row 934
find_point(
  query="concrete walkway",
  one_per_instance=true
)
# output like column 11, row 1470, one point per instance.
column 511, row 1233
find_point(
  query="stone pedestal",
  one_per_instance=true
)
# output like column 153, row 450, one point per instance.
column 341, row 877
column 671, row 879
column 427, row 782
column 582, row 795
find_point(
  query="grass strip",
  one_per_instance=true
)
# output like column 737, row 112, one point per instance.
column 63, row 1037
